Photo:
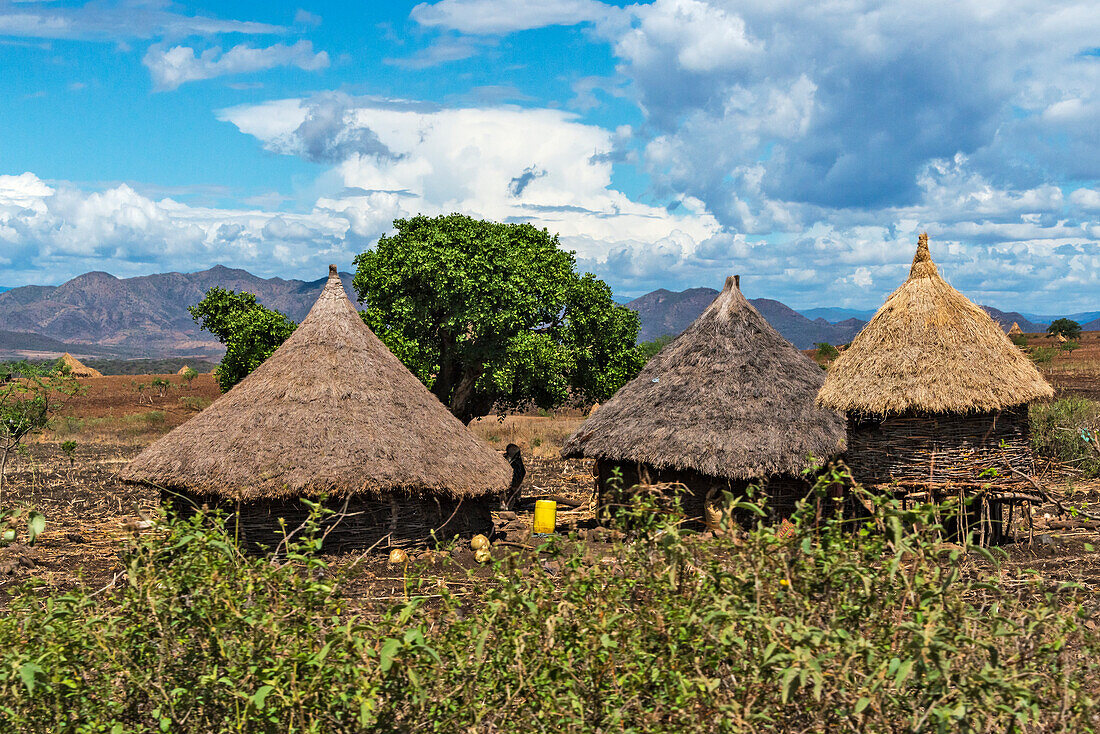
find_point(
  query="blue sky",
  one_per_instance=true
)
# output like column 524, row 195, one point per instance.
column 670, row 143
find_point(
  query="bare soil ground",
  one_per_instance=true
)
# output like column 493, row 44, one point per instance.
column 91, row 513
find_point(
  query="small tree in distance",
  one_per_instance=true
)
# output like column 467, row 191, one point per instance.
column 490, row 314
column 1068, row 328
column 29, row 394
column 249, row 331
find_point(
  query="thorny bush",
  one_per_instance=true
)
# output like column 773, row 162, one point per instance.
column 868, row 625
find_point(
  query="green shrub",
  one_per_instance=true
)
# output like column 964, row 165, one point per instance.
column 826, row 351
column 194, row 402
column 1066, row 431
column 867, row 626
column 1043, row 355
column 1019, row 340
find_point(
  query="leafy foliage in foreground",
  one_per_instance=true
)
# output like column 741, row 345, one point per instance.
column 873, row 628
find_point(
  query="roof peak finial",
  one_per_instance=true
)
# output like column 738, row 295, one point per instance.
column 922, row 261
column 332, row 271
column 733, row 283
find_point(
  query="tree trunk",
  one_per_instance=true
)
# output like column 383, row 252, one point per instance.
column 465, row 403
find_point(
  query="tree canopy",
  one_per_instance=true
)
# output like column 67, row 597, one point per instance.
column 249, row 330
column 490, row 314
column 1068, row 328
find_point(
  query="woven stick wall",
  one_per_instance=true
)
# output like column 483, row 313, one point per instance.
column 783, row 491
column 916, row 449
column 362, row 522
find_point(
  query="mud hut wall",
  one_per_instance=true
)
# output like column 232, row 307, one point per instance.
column 939, row 449
column 783, row 491
column 390, row 520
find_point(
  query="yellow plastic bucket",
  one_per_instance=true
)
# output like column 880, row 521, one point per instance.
column 546, row 517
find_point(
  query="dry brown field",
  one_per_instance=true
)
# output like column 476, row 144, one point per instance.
column 91, row 514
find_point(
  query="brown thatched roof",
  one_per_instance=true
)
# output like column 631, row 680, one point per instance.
column 930, row 349
column 727, row 398
column 1015, row 330
column 331, row 411
column 78, row 368
column 183, row 370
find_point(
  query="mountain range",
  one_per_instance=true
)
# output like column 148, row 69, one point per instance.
column 99, row 315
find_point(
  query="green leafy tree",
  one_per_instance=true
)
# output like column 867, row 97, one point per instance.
column 249, row 330
column 188, row 375
column 489, row 314
column 29, row 395
column 650, row 348
column 1068, row 328
column 826, row 351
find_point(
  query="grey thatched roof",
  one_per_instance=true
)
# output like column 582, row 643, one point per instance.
column 930, row 349
column 727, row 398
column 331, row 411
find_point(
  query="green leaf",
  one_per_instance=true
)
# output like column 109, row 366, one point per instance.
column 36, row 524
column 903, row 672
column 387, row 654
column 861, row 704
column 260, row 697
column 28, row 672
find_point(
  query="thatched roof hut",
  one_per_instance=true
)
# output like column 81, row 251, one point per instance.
column 726, row 403
column 935, row 392
column 78, row 368
column 332, row 412
column 1015, row 330
column 183, row 370
column 930, row 349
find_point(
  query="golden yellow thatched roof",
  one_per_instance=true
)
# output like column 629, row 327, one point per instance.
column 78, row 368
column 183, row 370
column 930, row 349
column 331, row 411
column 1015, row 330
column 728, row 398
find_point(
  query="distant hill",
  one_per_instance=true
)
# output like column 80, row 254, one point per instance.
column 18, row 344
column 836, row 315
column 665, row 312
column 144, row 316
column 1006, row 318
column 2, row 289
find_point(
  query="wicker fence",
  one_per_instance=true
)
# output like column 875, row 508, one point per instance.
column 357, row 523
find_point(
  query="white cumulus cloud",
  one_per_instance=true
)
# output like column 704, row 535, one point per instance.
column 171, row 67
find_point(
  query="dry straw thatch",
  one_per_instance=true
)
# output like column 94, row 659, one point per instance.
column 331, row 411
column 183, row 370
column 78, row 368
column 929, row 349
column 728, row 398
column 1015, row 330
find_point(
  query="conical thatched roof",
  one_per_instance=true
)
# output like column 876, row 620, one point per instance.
column 727, row 398
column 183, row 370
column 78, row 368
column 930, row 349
column 1015, row 330
column 331, row 411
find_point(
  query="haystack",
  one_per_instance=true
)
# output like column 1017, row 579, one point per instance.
column 78, row 368
column 332, row 412
column 1060, row 338
column 1015, row 330
column 935, row 394
column 183, row 370
column 727, row 403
